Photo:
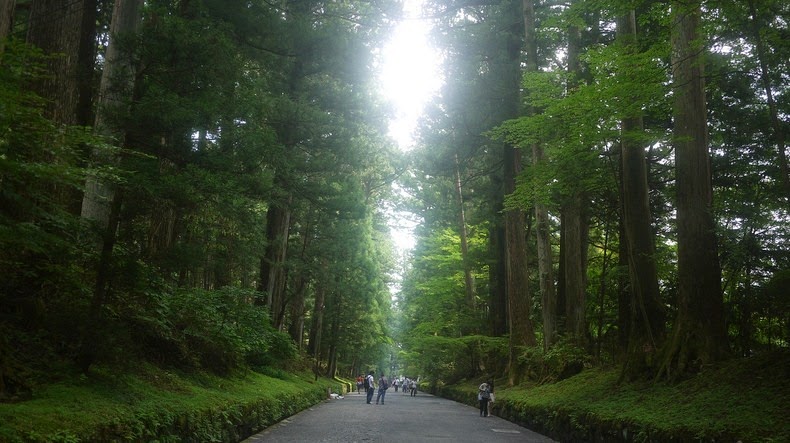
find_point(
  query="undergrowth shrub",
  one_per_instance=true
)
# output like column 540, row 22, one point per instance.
column 559, row 362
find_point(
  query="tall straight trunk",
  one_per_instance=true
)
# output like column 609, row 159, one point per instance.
column 602, row 289
column 575, row 225
column 624, row 290
column 115, row 92
column 542, row 226
column 272, row 275
column 297, row 304
column 469, row 282
column 314, row 340
column 334, row 339
column 699, row 336
column 87, row 56
column 6, row 20
column 497, row 277
column 765, row 79
column 575, row 233
column 101, row 204
column 645, row 317
column 519, row 298
column 517, row 283
column 55, row 26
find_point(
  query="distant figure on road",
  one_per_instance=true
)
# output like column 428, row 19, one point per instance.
column 383, row 385
column 395, row 384
column 413, row 388
column 360, row 380
column 483, row 396
column 371, row 386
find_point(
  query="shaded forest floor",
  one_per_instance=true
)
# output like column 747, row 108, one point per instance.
column 746, row 400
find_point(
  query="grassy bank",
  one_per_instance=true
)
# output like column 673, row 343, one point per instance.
column 742, row 400
column 152, row 404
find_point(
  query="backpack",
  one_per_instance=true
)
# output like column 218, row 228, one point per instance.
column 383, row 383
column 484, row 391
column 366, row 383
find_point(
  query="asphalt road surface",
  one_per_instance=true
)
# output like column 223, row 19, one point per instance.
column 401, row 418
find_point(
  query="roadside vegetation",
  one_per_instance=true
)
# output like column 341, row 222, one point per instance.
column 744, row 400
column 147, row 403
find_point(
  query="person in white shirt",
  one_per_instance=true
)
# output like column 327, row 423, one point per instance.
column 371, row 386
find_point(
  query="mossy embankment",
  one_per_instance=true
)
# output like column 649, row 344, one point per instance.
column 744, row 400
column 151, row 404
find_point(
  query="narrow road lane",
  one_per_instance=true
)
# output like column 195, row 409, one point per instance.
column 402, row 418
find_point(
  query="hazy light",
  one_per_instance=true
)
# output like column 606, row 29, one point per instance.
column 409, row 74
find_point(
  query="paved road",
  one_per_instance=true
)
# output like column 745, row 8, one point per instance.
column 402, row 418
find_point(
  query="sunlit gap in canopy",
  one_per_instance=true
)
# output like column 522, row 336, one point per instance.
column 409, row 73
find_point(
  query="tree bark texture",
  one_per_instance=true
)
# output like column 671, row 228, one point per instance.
column 542, row 227
column 115, row 92
column 699, row 335
column 645, row 316
column 6, row 19
column 575, row 226
column 497, row 278
column 101, row 206
column 278, row 222
column 317, row 323
column 55, row 27
column 469, row 282
column 575, row 232
column 517, row 283
column 296, row 306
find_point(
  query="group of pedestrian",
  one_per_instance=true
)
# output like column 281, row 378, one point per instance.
column 410, row 386
column 485, row 392
column 485, row 396
column 369, row 384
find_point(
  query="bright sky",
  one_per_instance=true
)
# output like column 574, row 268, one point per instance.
column 409, row 77
column 410, row 73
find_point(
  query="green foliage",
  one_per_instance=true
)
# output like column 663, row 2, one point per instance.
column 219, row 330
column 150, row 404
column 738, row 400
column 452, row 359
column 559, row 362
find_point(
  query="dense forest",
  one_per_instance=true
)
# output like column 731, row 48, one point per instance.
column 209, row 184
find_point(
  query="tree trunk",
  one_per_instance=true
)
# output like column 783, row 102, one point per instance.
column 575, row 232
column 6, row 20
column 297, row 304
column 542, row 227
column 272, row 276
column 575, row 226
column 522, row 333
column 115, row 91
column 469, row 282
column 646, row 317
column 318, row 322
column 699, row 336
column 56, row 27
column 87, row 57
column 497, row 278
column 101, row 206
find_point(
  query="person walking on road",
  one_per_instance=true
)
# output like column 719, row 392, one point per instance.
column 413, row 388
column 383, row 385
column 483, row 396
column 371, row 386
